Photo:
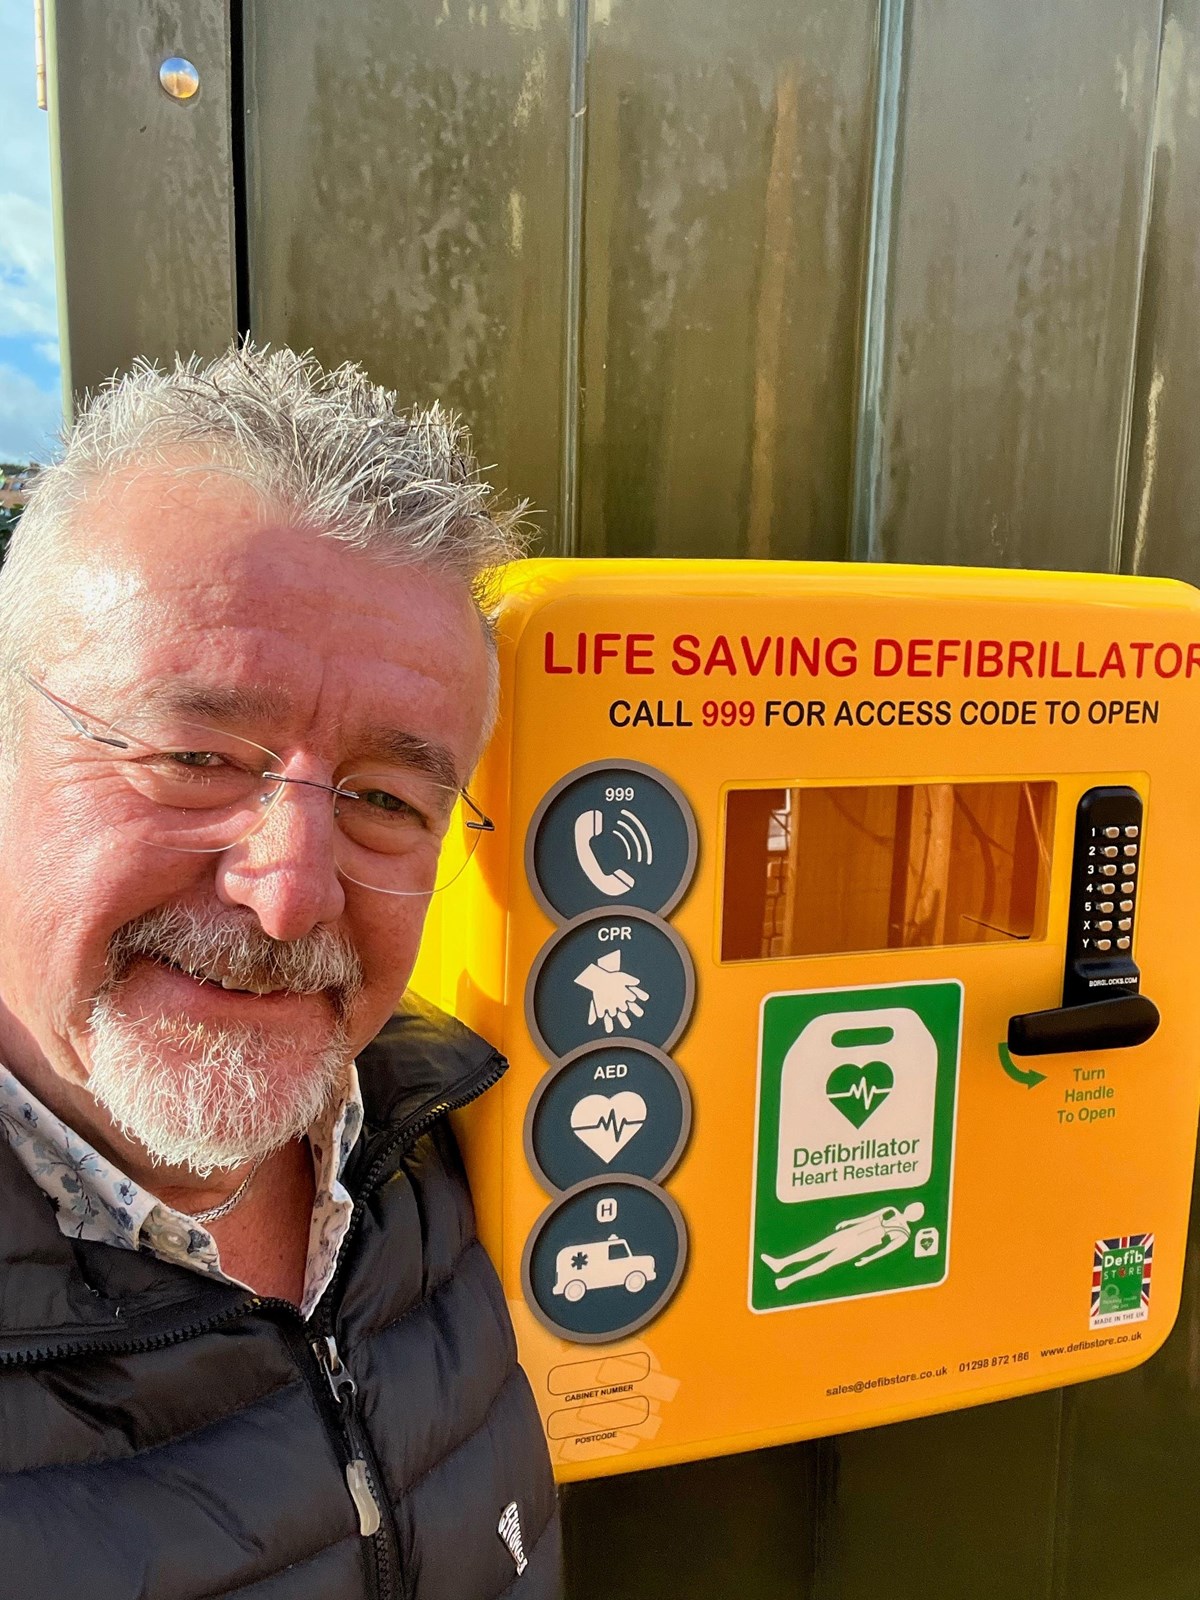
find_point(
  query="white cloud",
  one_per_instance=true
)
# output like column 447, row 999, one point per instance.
column 30, row 417
column 27, row 287
column 27, row 298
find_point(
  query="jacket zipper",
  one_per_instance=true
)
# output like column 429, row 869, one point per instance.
column 363, row 1478
column 42, row 1354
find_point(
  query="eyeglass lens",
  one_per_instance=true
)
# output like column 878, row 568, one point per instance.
column 190, row 787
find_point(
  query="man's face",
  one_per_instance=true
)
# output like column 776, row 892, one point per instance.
column 179, row 579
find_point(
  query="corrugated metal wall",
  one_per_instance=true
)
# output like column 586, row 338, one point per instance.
column 890, row 279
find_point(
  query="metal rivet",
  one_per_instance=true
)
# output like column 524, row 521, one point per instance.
column 179, row 78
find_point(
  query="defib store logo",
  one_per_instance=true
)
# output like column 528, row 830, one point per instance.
column 1121, row 1279
column 857, row 1097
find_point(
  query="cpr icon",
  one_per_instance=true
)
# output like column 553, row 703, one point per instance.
column 856, row 1105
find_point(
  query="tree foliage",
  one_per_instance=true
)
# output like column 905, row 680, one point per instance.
column 9, row 517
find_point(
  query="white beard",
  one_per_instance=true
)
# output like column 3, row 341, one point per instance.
column 207, row 1098
column 213, row 1097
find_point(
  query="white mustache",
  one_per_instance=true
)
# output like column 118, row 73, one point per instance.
column 200, row 942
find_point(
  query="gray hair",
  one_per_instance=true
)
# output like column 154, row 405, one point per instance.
column 331, row 448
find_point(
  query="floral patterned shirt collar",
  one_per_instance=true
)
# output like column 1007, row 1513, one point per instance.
column 93, row 1198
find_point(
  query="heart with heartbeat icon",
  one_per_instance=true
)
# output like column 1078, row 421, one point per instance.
column 606, row 1123
column 858, row 1092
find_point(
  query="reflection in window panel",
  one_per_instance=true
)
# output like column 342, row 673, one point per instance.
column 884, row 867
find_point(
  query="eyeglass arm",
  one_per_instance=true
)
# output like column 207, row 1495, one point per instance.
column 80, row 728
column 479, row 823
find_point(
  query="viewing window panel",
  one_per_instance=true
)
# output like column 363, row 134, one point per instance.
column 834, row 870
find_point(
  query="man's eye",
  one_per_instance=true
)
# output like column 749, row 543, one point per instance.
column 381, row 800
column 194, row 758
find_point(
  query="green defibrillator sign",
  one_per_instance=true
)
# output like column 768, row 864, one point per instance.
column 857, row 1092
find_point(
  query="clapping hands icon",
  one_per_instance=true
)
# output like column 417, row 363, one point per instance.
column 614, row 993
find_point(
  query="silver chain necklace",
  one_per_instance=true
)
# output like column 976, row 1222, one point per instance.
column 215, row 1213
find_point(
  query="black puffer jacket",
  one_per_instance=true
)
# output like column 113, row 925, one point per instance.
column 167, row 1437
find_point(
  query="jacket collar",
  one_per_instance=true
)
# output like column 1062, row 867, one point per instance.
column 422, row 1058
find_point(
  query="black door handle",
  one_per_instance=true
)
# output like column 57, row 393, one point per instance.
column 1098, row 1025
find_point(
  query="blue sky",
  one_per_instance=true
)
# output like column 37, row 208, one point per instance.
column 30, row 397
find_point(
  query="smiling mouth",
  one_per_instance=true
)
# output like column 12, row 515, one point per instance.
column 234, row 955
column 217, row 979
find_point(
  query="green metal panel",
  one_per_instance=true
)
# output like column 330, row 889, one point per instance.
column 1009, row 241
column 143, row 183
column 697, row 1532
column 728, row 167
column 1130, row 1455
column 407, row 176
column 1162, row 508
column 958, row 1507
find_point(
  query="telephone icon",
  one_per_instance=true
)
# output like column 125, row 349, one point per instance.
column 588, row 827
column 630, row 831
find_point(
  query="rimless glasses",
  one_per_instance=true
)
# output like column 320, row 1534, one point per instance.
column 187, row 786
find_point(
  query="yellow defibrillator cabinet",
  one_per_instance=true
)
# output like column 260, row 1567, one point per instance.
column 838, row 923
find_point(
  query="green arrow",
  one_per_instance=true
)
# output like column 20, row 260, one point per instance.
column 1030, row 1079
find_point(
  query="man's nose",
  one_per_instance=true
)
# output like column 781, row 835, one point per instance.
column 286, row 870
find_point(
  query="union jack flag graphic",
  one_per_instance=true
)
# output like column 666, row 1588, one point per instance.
column 1122, row 1273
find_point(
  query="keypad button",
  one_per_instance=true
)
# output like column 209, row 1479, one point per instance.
column 1105, row 927
column 1112, row 833
column 1110, row 850
column 1132, row 830
column 1103, row 944
column 1130, row 849
column 1126, row 888
column 1105, row 906
column 1125, row 924
column 1122, row 944
column 1126, row 905
column 1107, row 871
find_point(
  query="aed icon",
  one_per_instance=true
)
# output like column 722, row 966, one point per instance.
column 608, row 1109
column 855, row 1149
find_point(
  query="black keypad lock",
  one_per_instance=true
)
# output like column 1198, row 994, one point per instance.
column 1104, row 887
column 1102, row 1008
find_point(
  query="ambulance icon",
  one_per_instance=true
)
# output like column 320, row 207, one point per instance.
column 603, row 1264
